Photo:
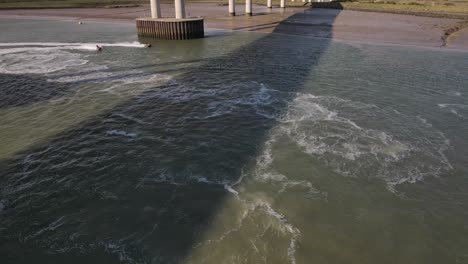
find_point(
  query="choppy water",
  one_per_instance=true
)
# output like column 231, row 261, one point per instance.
column 238, row 148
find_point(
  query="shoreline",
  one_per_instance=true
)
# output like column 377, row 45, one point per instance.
column 353, row 26
column 424, row 13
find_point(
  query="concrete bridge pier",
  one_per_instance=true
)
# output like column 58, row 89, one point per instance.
column 232, row 7
column 283, row 3
column 155, row 9
column 170, row 28
column 248, row 7
column 269, row 5
column 179, row 6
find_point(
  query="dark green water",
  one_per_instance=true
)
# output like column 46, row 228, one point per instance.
column 238, row 148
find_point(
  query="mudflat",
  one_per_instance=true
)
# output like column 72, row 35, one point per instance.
column 368, row 27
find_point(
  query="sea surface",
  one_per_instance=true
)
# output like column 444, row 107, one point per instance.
column 236, row 148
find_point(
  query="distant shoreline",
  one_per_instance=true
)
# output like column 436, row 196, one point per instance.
column 357, row 26
column 400, row 9
column 415, row 8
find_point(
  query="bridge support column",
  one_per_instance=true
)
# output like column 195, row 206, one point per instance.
column 177, row 28
column 179, row 6
column 269, row 4
column 248, row 7
column 155, row 9
column 283, row 3
column 232, row 7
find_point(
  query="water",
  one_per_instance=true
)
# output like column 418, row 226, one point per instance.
column 238, row 148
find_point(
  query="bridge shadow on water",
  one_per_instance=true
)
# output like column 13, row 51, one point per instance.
column 85, row 199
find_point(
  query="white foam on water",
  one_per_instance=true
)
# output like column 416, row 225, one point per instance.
column 266, row 158
column 230, row 189
column 454, row 93
column 202, row 180
column 256, row 97
column 131, row 118
column 228, row 186
column 158, row 177
column 300, row 184
column 43, row 62
column 442, row 105
column 257, row 209
column 90, row 73
column 424, row 121
column 115, row 132
column 51, row 227
column 264, row 172
column 285, row 227
column 50, row 58
column 317, row 126
column 101, row 74
column 117, row 247
column 73, row 45
column 455, row 108
column 453, row 111
column 454, row 105
column 184, row 179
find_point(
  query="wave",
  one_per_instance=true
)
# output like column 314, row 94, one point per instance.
column 121, row 133
column 456, row 109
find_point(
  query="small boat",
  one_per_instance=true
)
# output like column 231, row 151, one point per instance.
column 98, row 48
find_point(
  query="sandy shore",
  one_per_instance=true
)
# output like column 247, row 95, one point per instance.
column 344, row 25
